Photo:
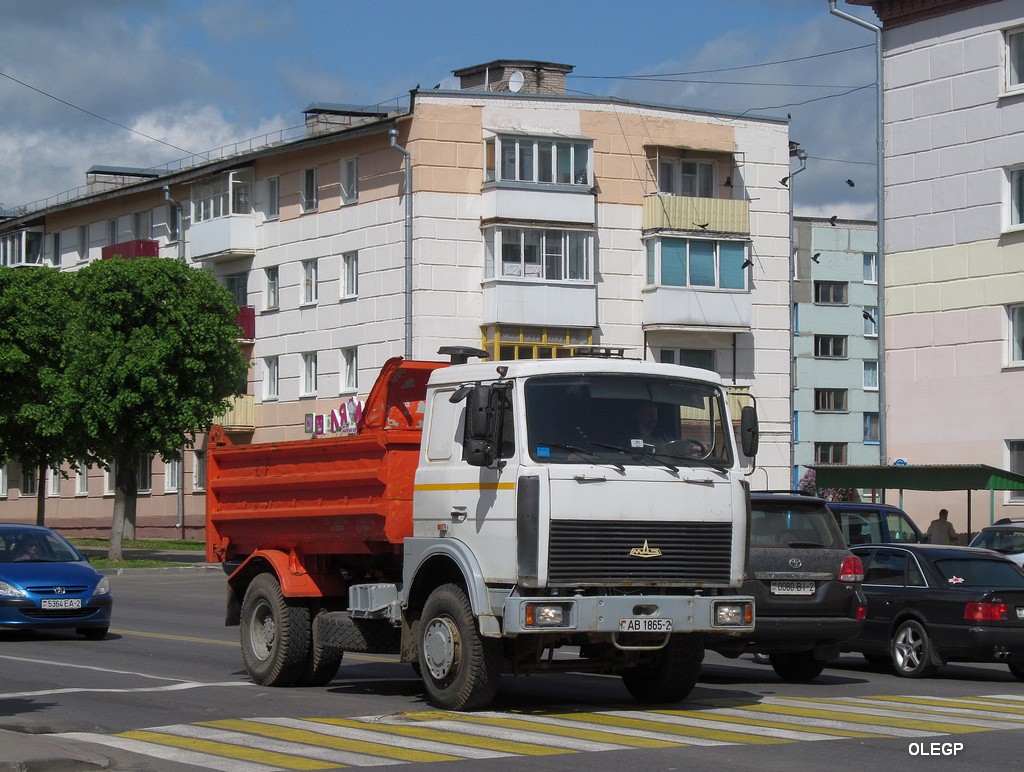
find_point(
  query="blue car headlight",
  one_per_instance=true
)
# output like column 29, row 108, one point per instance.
column 10, row 591
column 102, row 587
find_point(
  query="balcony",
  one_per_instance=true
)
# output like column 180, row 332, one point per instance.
column 538, row 203
column 246, row 320
column 686, row 308
column 224, row 238
column 539, row 304
column 687, row 213
column 241, row 416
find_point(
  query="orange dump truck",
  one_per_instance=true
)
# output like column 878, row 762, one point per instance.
column 484, row 515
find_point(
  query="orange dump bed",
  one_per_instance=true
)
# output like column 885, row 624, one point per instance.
column 342, row 495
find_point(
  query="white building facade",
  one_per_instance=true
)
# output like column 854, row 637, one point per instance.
column 535, row 221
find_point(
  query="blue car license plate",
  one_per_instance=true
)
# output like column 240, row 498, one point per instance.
column 792, row 588
column 61, row 603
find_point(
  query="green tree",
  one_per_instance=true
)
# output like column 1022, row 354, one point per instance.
column 152, row 347
column 33, row 317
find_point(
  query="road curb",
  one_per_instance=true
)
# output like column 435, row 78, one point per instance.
column 21, row 752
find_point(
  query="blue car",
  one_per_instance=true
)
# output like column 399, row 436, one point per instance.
column 45, row 583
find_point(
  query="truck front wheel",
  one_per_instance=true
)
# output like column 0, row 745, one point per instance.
column 669, row 674
column 460, row 668
column 275, row 635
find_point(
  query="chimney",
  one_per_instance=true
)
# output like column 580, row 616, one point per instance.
column 515, row 76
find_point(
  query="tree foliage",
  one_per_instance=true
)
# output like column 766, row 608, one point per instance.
column 152, row 357
column 33, row 317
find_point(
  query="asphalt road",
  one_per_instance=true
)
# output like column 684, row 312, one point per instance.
column 166, row 690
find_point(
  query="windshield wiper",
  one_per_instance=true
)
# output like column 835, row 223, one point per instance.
column 804, row 544
column 585, row 453
column 692, row 460
column 646, row 458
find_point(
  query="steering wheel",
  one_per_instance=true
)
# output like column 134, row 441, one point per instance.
column 688, row 447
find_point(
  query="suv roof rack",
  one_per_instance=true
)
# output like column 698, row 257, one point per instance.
column 603, row 352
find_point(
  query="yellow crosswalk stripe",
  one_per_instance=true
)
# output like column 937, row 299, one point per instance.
column 762, row 723
column 438, row 735
column 857, row 718
column 722, row 735
column 282, row 760
column 381, row 748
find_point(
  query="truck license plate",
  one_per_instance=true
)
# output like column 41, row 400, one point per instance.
column 645, row 625
column 792, row 588
column 62, row 603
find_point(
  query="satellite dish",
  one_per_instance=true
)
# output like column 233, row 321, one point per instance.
column 515, row 82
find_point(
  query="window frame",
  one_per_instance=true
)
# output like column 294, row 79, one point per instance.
column 872, row 427
column 533, row 243
column 1015, row 463
column 1015, row 335
column 28, row 483
column 310, row 282
column 867, row 368
column 112, row 231
column 830, row 452
column 272, row 282
column 198, row 471
column 684, row 263
column 350, row 375
column 82, row 479
column 142, row 224
column 309, row 374
column 831, row 293
column 531, row 154
column 672, row 178
column 1013, row 60
column 273, row 198
column 831, row 400
column 83, row 243
column 271, row 378
column 870, row 267
column 349, row 180
column 172, row 476
column 820, row 340
column 309, row 191
column 144, row 474
column 350, row 274
column 871, row 325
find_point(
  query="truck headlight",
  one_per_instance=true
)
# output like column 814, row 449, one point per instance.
column 734, row 614
column 545, row 615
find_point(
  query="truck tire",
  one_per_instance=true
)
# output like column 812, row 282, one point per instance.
column 322, row 659
column 796, row 666
column 275, row 634
column 460, row 668
column 667, row 675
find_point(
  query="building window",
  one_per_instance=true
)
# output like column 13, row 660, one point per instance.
column 538, row 160
column 350, row 360
column 144, row 474
column 697, row 263
column 82, row 479
column 689, row 357
column 1015, row 59
column 831, row 293
column 56, row 254
column 3, row 479
column 871, row 429
column 273, row 287
column 223, row 195
column 830, row 453
column 112, row 231
column 199, row 471
column 870, row 268
column 55, row 482
column 870, row 315
column 677, row 177
column 273, row 198
column 871, row 375
column 1017, row 197
column 28, row 481
column 310, row 292
column 1016, row 448
column 310, row 191
column 238, row 286
column 173, row 223
column 830, row 400
column 21, row 248
column 309, row 374
column 142, row 225
column 109, row 479
column 1016, row 334
column 830, row 346
column 172, row 476
column 350, row 181
column 539, row 254
column 350, row 288
column 271, row 377
column 83, row 242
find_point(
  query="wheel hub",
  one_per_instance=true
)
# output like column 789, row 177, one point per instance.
column 263, row 632
column 440, row 647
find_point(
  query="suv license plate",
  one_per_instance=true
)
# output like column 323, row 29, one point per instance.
column 792, row 588
column 645, row 625
column 61, row 603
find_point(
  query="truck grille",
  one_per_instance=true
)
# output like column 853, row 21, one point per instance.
column 599, row 552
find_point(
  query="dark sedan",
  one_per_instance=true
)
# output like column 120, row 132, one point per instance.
column 930, row 604
column 45, row 583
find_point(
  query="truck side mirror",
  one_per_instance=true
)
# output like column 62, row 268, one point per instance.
column 485, row 409
column 750, row 434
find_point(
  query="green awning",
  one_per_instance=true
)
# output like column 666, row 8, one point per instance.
column 919, row 477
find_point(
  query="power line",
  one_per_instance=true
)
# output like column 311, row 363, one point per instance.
column 94, row 115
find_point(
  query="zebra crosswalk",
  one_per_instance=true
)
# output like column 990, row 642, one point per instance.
column 268, row 744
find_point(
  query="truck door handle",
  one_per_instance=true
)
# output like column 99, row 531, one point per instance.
column 583, row 478
column 459, row 514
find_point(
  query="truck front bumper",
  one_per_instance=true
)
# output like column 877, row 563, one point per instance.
column 630, row 614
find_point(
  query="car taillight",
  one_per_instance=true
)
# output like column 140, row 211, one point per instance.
column 861, row 612
column 984, row 612
column 851, row 569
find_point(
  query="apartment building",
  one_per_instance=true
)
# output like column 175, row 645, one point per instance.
column 504, row 214
column 835, row 343
column 954, row 224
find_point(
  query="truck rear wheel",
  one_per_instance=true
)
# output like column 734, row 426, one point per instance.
column 667, row 675
column 322, row 659
column 275, row 635
column 460, row 668
column 796, row 666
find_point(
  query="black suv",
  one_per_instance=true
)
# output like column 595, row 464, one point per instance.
column 805, row 584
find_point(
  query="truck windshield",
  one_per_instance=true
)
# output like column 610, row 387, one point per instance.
column 626, row 420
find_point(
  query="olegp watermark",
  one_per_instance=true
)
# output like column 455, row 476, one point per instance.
column 935, row 749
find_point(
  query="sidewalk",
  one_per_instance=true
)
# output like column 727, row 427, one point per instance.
column 22, row 752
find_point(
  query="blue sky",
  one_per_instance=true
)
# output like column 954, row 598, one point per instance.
column 198, row 74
